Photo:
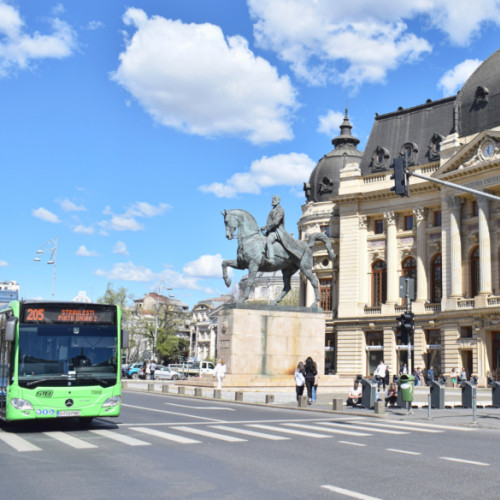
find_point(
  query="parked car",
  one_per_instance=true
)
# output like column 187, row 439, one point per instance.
column 194, row 369
column 136, row 370
column 165, row 373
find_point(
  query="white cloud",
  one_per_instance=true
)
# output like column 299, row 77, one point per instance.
column 284, row 169
column 127, row 221
column 144, row 209
column 329, row 124
column 46, row 215
column 84, row 252
column 18, row 49
column 3, row 263
column 206, row 266
column 451, row 82
column 69, row 206
column 128, row 271
column 80, row 229
column 122, row 223
column 120, row 248
column 94, row 25
column 193, row 78
column 357, row 42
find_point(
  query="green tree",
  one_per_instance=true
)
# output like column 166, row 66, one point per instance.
column 169, row 345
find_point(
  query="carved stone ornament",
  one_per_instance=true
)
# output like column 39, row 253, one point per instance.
column 420, row 214
column 434, row 147
column 390, row 217
column 409, row 152
column 454, row 202
column 363, row 221
column 224, row 326
column 380, row 159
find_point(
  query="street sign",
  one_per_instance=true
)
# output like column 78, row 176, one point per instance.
column 406, row 286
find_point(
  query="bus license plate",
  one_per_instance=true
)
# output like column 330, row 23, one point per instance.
column 74, row 413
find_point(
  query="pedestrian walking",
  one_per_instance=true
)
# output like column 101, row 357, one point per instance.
column 379, row 374
column 430, row 375
column 300, row 380
column 315, row 386
column 453, row 377
column 220, row 372
column 310, row 374
column 152, row 369
column 417, row 373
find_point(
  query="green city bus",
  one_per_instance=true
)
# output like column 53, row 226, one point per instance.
column 60, row 359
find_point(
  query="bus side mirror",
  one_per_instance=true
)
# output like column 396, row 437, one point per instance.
column 10, row 329
column 124, row 339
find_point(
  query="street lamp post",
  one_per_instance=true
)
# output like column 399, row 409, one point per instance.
column 50, row 246
column 156, row 316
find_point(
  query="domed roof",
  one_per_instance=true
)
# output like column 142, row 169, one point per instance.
column 478, row 103
column 324, row 180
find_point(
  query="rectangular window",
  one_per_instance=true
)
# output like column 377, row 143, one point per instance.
column 325, row 294
column 437, row 217
column 325, row 230
column 408, row 222
column 379, row 226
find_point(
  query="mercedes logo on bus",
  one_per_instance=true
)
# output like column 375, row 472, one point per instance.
column 68, row 402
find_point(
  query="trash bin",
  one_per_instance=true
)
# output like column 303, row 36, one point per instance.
column 437, row 394
column 495, row 393
column 406, row 387
column 369, row 394
column 468, row 393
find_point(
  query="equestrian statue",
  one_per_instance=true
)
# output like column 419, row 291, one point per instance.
column 273, row 250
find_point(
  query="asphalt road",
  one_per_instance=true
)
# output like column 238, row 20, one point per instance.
column 172, row 447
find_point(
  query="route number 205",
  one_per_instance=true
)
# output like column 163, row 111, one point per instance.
column 35, row 315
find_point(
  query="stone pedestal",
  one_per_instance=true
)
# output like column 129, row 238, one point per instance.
column 262, row 345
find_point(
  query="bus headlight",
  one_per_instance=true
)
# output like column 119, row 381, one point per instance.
column 21, row 404
column 113, row 401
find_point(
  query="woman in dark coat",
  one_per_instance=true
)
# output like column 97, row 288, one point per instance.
column 310, row 374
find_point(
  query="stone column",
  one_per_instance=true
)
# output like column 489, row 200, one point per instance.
column 484, row 247
column 364, row 286
column 420, row 217
column 393, row 264
column 455, row 261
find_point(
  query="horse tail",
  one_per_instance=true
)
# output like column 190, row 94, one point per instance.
column 324, row 239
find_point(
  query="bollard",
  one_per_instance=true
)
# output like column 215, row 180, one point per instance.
column 474, row 407
column 238, row 396
column 124, row 384
column 429, row 406
column 379, row 407
column 165, row 388
column 217, row 394
column 151, row 387
column 303, row 401
column 269, row 399
column 197, row 392
column 181, row 390
column 337, row 404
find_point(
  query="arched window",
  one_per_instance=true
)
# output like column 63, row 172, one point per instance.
column 325, row 295
column 409, row 270
column 474, row 272
column 436, row 279
column 379, row 283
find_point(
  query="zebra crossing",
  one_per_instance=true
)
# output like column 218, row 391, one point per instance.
column 228, row 432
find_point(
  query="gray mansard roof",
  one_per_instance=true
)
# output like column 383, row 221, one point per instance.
column 416, row 128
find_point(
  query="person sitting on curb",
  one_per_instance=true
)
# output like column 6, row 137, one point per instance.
column 391, row 396
column 354, row 397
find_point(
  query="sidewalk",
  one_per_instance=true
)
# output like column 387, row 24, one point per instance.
column 486, row 416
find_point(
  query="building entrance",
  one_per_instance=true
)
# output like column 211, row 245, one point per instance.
column 495, row 355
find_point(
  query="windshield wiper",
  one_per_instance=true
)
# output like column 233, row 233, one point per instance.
column 42, row 380
column 91, row 376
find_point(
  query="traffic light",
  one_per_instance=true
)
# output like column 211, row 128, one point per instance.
column 399, row 177
column 405, row 327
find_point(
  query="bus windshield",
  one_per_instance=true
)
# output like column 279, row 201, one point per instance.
column 67, row 354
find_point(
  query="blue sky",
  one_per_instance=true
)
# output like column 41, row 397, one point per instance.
column 127, row 127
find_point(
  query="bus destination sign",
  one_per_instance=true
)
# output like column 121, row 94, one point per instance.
column 49, row 313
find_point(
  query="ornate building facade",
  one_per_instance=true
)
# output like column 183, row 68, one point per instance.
column 446, row 239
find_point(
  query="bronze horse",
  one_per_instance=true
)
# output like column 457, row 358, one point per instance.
column 251, row 254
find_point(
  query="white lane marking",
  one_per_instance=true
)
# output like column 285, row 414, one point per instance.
column 407, row 427
column 17, row 442
column 352, row 444
column 430, row 426
column 334, row 431
column 362, row 427
column 173, row 413
column 289, row 431
column 120, row 437
column 471, row 462
column 72, row 441
column 202, row 407
column 166, row 435
column 248, row 432
column 406, row 452
column 348, row 493
column 213, row 435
